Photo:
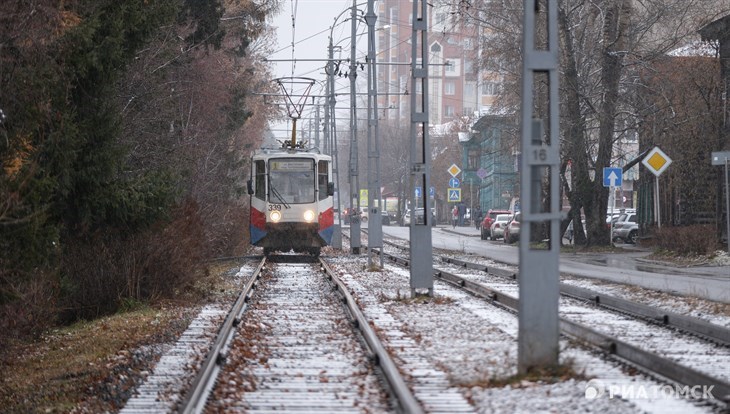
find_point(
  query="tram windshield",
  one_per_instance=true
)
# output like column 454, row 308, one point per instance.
column 291, row 180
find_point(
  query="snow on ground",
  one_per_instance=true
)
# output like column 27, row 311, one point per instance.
column 476, row 344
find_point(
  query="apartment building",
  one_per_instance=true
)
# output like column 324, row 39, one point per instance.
column 456, row 86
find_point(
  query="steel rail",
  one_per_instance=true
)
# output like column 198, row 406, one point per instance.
column 689, row 324
column 403, row 395
column 647, row 361
column 197, row 396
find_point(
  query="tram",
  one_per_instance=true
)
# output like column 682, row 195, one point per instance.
column 292, row 207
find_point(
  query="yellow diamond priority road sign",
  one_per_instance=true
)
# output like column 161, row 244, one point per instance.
column 454, row 170
column 656, row 161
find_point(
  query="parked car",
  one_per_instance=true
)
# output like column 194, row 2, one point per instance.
column 512, row 230
column 386, row 218
column 488, row 220
column 616, row 214
column 419, row 216
column 500, row 222
column 406, row 220
column 626, row 228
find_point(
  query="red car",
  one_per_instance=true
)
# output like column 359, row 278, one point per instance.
column 512, row 231
column 488, row 220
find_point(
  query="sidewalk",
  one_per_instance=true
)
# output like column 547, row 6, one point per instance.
column 630, row 256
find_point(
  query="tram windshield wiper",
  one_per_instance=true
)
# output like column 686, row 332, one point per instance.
column 281, row 199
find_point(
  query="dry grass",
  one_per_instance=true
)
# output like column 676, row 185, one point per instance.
column 544, row 375
column 66, row 368
column 58, row 370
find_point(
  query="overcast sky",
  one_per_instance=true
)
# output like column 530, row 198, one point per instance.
column 313, row 20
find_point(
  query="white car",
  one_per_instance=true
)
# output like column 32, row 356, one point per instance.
column 500, row 222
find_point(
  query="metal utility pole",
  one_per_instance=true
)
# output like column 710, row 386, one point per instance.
column 375, row 222
column 723, row 158
column 331, row 141
column 354, row 181
column 539, row 277
column 316, row 126
column 421, row 252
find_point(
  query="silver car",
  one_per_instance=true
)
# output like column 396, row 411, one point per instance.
column 626, row 228
column 500, row 222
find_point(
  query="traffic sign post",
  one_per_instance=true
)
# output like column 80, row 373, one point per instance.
column 454, row 170
column 657, row 161
column 723, row 158
column 612, row 177
column 454, row 195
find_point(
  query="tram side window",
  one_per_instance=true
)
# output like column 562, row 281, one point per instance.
column 260, row 191
column 322, row 179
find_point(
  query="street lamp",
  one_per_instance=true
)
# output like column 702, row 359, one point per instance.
column 332, row 135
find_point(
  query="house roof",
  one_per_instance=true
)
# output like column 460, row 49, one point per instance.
column 717, row 30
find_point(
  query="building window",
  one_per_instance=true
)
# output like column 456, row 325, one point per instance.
column 473, row 158
column 449, row 111
column 468, row 66
column 490, row 88
column 449, row 88
column 451, row 67
column 470, row 90
column 439, row 19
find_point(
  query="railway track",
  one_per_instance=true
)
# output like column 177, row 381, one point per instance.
column 636, row 334
column 297, row 342
column 275, row 362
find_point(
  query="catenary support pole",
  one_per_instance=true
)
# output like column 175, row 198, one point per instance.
column 727, row 203
column 421, row 258
column 331, row 126
column 355, row 242
column 375, row 221
column 538, row 332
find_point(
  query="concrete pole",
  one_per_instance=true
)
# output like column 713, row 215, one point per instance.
column 375, row 222
column 354, row 181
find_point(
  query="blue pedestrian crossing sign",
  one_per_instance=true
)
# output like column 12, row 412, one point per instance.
column 454, row 195
column 612, row 177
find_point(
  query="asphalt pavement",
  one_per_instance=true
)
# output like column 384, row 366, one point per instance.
column 629, row 265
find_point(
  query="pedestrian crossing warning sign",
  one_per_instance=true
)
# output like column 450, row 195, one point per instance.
column 454, row 195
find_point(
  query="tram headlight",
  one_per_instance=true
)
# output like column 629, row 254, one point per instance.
column 309, row 216
column 275, row 216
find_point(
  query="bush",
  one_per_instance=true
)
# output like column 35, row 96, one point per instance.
column 30, row 307
column 109, row 270
column 692, row 240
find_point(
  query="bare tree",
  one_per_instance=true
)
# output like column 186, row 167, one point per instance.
column 604, row 44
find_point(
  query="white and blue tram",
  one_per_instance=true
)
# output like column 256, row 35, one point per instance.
column 291, row 200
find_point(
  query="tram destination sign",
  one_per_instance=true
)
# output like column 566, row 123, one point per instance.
column 292, row 165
